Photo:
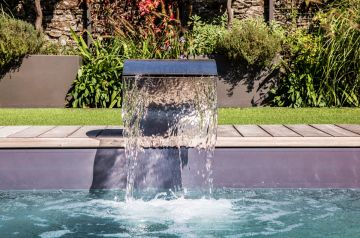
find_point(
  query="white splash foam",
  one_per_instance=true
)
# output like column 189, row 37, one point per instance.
column 54, row 234
column 178, row 210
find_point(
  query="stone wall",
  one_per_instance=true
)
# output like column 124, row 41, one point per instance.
column 249, row 8
column 285, row 11
column 59, row 16
column 242, row 8
column 62, row 15
column 106, row 15
column 293, row 12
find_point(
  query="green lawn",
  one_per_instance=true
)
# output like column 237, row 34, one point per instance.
column 50, row 116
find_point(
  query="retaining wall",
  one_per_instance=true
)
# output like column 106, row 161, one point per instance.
column 44, row 81
column 40, row 81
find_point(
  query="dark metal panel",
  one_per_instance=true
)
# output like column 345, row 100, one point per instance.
column 40, row 81
column 46, row 168
column 170, row 67
column 236, row 168
column 287, row 168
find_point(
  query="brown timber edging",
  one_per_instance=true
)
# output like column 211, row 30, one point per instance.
column 238, row 136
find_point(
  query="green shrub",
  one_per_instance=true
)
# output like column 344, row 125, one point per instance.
column 98, row 83
column 251, row 41
column 55, row 48
column 297, row 86
column 17, row 39
column 322, row 68
column 203, row 37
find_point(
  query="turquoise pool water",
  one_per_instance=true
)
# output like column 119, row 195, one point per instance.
column 230, row 213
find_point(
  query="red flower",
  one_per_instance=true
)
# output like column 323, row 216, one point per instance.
column 148, row 6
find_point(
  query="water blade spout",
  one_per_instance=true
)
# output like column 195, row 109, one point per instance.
column 162, row 116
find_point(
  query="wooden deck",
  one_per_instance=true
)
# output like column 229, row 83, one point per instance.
column 325, row 135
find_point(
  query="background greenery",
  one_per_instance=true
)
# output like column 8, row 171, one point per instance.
column 319, row 64
column 98, row 83
column 322, row 65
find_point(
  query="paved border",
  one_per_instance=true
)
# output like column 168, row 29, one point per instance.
column 325, row 135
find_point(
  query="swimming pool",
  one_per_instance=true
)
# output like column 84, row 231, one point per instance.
column 258, row 192
column 230, row 213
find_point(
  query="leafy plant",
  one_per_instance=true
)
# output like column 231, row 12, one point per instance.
column 251, row 41
column 298, row 87
column 98, row 83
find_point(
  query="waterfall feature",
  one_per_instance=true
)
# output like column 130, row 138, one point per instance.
column 169, row 106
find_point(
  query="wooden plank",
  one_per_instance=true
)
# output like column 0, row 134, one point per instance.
column 307, row 131
column 33, row 131
column 112, row 131
column 335, row 130
column 222, row 142
column 87, row 131
column 349, row 127
column 279, row 131
column 112, row 142
column 251, row 131
column 9, row 130
column 287, row 142
column 227, row 131
column 60, row 132
column 49, row 143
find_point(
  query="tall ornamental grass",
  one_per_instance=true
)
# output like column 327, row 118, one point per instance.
column 339, row 57
column 322, row 67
